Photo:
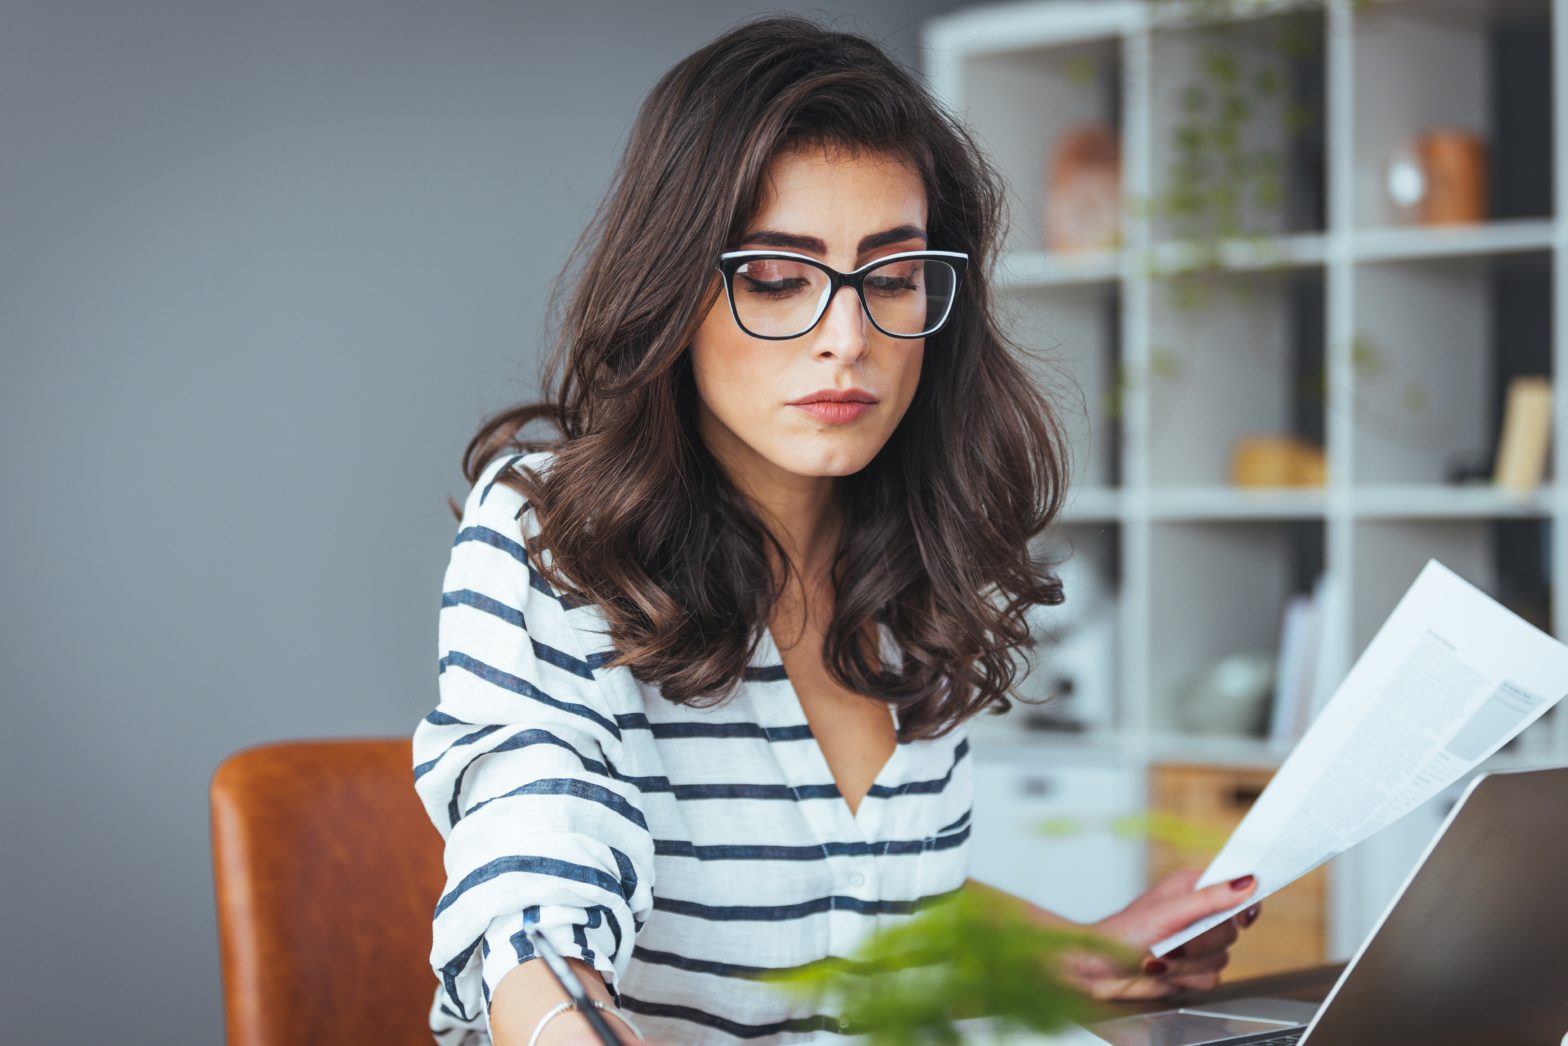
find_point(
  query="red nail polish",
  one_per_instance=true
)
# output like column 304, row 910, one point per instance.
column 1154, row 967
column 1242, row 883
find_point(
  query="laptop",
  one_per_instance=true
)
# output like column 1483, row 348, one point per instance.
column 1472, row 949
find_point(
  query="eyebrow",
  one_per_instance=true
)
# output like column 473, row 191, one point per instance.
column 800, row 242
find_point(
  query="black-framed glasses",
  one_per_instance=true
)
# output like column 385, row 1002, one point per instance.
column 780, row 294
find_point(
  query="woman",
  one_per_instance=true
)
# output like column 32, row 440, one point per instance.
column 707, row 658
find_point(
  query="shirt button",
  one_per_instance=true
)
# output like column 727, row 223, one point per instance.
column 856, row 879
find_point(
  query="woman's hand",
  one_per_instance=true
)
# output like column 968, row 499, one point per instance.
column 1165, row 908
column 529, row 991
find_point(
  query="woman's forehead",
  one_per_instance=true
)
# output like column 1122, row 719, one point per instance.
column 840, row 198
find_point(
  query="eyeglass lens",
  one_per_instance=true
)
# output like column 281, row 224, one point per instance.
column 778, row 297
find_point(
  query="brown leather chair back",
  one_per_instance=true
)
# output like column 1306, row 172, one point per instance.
column 327, row 872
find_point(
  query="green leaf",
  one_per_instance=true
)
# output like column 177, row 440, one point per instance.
column 1269, row 192
column 975, row 953
column 1220, row 66
column 1235, row 108
column 1365, row 358
column 1081, row 68
column 1164, row 363
column 1182, row 833
column 1299, row 116
column 1186, row 136
column 1414, row 397
column 1059, row 826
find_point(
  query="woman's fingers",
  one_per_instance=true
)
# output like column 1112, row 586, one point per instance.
column 1163, row 977
column 1210, row 963
column 1189, row 907
column 1084, row 967
column 1176, row 883
column 1214, row 940
column 1102, row 979
column 1170, row 904
column 1198, row 973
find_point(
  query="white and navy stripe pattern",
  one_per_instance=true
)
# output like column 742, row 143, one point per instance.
column 676, row 850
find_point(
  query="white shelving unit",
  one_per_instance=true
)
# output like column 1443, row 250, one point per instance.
column 1197, row 568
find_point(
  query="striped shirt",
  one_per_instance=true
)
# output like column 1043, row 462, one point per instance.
column 675, row 850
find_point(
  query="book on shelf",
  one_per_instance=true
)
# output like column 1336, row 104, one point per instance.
column 1526, row 434
column 1331, row 643
column 1287, row 673
column 1298, row 683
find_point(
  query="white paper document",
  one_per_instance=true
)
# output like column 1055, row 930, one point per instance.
column 1450, row 678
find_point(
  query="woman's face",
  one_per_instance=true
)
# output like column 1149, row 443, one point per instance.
column 823, row 205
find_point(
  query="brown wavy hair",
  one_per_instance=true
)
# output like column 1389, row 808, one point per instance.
column 635, row 513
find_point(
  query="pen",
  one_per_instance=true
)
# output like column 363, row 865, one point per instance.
column 574, row 988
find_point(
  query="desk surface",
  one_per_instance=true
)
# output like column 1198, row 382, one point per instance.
column 1310, row 985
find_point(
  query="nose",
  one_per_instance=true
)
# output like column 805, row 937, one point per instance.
column 842, row 330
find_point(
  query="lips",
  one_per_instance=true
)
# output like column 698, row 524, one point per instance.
column 834, row 412
column 835, row 406
column 834, row 396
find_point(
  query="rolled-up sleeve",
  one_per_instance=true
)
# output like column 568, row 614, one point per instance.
column 516, row 766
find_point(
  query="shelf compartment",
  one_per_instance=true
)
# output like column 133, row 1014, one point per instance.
column 1071, row 340
column 974, row 32
column 1248, row 94
column 1476, row 65
column 1071, row 681
column 1218, row 589
column 1020, row 102
column 1247, row 358
column 1436, row 343
column 1507, row 559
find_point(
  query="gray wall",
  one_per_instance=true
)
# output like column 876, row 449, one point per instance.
column 262, row 268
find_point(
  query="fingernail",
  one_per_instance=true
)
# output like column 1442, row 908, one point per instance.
column 1178, row 951
column 1252, row 915
column 1242, row 883
column 1154, row 966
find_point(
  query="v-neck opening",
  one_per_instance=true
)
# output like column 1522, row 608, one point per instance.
column 857, row 817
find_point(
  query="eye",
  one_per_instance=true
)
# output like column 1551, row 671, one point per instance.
column 773, row 277
column 898, row 278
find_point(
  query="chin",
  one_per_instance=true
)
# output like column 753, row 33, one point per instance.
column 827, row 454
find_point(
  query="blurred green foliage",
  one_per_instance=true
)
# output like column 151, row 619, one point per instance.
column 971, row 954
column 977, row 953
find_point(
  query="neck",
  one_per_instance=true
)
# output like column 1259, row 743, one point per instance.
column 801, row 511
